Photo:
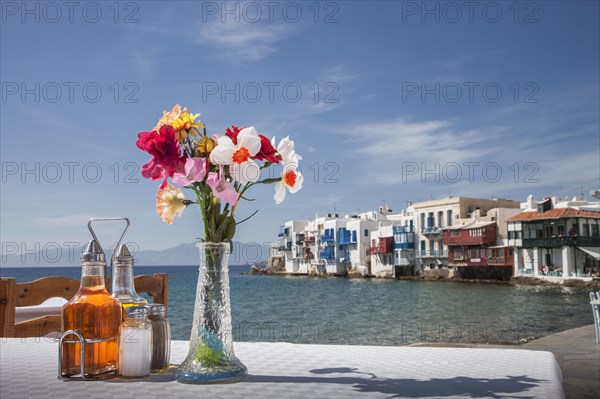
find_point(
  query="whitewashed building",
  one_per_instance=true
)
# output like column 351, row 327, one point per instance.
column 556, row 239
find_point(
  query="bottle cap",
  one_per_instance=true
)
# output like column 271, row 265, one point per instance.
column 157, row 309
column 92, row 253
column 123, row 254
column 136, row 312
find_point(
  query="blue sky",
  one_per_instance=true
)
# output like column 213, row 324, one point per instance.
column 388, row 90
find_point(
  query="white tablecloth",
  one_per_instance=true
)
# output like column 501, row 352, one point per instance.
column 282, row 370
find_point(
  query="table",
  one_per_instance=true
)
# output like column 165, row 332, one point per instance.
column 28, row 368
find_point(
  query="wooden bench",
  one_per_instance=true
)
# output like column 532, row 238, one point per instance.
column 14, row 295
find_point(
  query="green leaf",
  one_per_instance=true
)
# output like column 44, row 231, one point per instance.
column 230, row 230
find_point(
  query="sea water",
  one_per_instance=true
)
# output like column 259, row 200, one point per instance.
column 338, row 310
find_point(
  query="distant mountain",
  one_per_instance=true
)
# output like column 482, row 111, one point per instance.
column 183, row 254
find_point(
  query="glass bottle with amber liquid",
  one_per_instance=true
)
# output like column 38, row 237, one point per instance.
column 122, row 282
column 96, row 315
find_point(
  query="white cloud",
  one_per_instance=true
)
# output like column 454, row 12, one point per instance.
column 387, row 144
column 242, row 41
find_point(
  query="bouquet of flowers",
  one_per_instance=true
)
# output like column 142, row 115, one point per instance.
column 219, row 169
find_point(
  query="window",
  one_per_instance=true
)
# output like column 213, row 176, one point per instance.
column 585, row 229
column 595, row 230
column 440, row 218
column 422, row 219
column 366, row 232
column 449, row 215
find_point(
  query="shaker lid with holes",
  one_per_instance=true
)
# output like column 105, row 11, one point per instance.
column 157, row 309
column 136, row 312
column 92, row 252
column 123, row 254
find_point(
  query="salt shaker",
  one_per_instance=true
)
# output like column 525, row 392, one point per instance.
column 135, row 343
column 161, row 337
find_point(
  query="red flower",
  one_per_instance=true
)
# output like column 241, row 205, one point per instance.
column 166, row 154
column 232, row 132
column 267, row 151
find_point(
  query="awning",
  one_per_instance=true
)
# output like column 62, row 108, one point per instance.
column 594, row 251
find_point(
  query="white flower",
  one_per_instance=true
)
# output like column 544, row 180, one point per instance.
column 290, row 178
column 286, row 150
column 242, row 167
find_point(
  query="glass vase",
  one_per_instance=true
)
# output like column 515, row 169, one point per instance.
column 211, row 358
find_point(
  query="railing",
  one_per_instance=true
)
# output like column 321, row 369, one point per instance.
column 432, row 254
column 402, row 229
column 403, row 262
column 470, row 240
column 431, row 230
column 404, row 245
column 561, row 242
column 327, row 238
column 500, row 260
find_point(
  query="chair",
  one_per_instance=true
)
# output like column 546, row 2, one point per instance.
column 595, row 302
column 14, row 295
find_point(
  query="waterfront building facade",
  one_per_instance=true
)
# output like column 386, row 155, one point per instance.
column 481, row 240
column 550, row 238
column 554, row 238
column 290, row 243
column 433, row 217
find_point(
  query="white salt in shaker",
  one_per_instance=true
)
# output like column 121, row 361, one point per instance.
column 135, row 343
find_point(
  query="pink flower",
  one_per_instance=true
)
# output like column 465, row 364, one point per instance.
column 194, row 172
column 221, row 188
column 166, row 153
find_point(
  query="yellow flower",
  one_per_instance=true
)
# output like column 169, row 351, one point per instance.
column 205, row 146
column 170, row 202
column 184, row 124
column 169, row 117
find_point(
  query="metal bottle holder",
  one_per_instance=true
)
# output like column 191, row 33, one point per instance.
column 82, row 341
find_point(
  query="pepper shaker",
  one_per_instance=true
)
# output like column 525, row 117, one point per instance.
column 161, row 337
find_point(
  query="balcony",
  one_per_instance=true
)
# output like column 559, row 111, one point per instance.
column 327, row 253
column 431, row 230
column 477, row 261
column 464, row 239
column 431, row 254
column 554, row 242
column 328, row 236
column 402, row 229
column 347, row 237
column 307, row 254
column 383, row 246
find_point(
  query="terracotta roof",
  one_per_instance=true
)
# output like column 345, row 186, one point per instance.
column 556, row 213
